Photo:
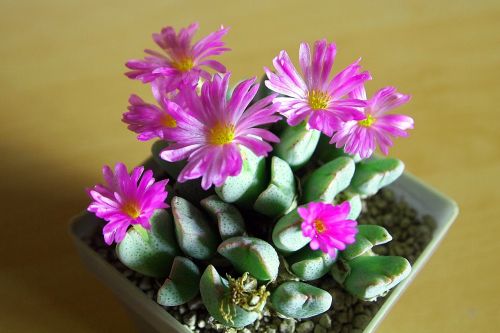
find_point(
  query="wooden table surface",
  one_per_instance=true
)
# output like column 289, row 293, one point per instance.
column 63, row 92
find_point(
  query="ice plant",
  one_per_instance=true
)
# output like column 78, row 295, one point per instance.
column 126, row 199
column 315, row 97
column 182, row 62
column 274, row 223
column 150, row 121
column 209, row 136
column 377, row 126
column 327, row 226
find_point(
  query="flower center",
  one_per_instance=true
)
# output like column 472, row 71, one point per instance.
column 368, row 121
column 319, row 226
column 318, row 100
column 168, row 121
column 221, row 134
column 131, row 209
column 184, row 64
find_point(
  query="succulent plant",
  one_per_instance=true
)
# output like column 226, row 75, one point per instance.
column 231, row 245
column 256, row 175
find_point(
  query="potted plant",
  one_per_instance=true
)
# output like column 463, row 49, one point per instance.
column 263, row 208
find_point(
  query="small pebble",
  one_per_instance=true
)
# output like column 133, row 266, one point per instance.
column 287, row 326
column 319, row 329
column 305, row 327
column 342, row 317
column 325, row 320
column 360, row 321
column 190, row 319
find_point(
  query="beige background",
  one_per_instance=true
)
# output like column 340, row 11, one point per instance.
column 62, row 93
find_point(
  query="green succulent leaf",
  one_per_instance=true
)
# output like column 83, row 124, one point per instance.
column 244, row 188
column 277, row 198
column 328, row 180
column 228, row 217
column 300, row 300
column 369, row 277
column 182, row 285
column 367, row 237
column 308, row 264
column 194, row 234
column 287, row 233
column 374, row 174
column 171, row 168
column 215, row 296
column 252, row 255
column 297, row 145
column 150, row 252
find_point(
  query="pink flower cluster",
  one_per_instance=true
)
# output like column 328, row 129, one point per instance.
column 337, row 106
column 206, row 124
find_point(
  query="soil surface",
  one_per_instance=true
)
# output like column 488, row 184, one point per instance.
column 410, row 232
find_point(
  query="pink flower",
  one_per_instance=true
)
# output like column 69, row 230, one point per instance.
column 327, row 226
column 182, row 63
column 209, row 136
column 376, row 128
column 316, row 98
column 125, row 200
column 150, row 121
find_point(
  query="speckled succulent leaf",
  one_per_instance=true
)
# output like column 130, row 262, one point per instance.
column 194, row 234
column 182, row 284
column 279, row 195
column 371, row 175
column 369, row 277
column 328, row 180
column 287, row 233
column 309, row 265
column 252, row 255
column 325, row 151
column 367, row 237
column 228, row 217
column 300, row 300
column 171, row 168
column 244, row 188
column 214, row 291
column 297, row 145
column 152, row 255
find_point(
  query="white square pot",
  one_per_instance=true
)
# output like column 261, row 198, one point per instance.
column 151, row 317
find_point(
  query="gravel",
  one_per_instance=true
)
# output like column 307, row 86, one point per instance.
column 410, row 232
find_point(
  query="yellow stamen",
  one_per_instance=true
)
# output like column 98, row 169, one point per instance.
column 368, row 121
column 168, row 121
column 319, row 226
column 184, row 64
column 318, row 100
column 221, row 134
column 131, row 209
